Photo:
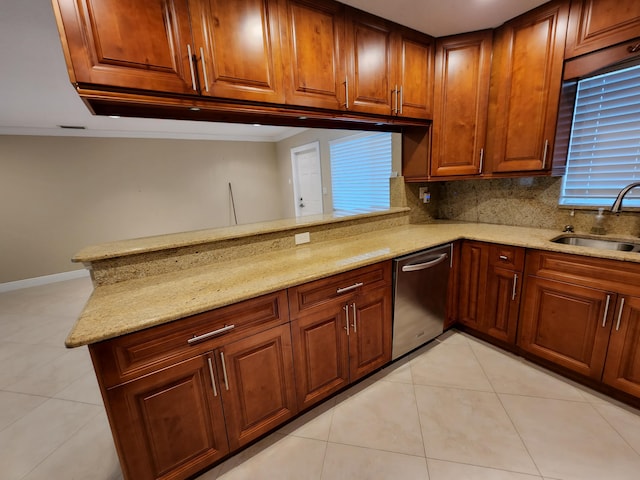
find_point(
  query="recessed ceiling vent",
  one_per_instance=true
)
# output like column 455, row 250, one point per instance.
column 73, row 127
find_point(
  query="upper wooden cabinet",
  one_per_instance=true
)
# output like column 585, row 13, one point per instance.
column 313, row 41
column 414, row 74
column 463, row 65
column 525, row 88
column 596, row 24
column 301, row 53
column 124, row 44
column 237, row 49
column 390, row 68
column 208, row 47
column 371, row 77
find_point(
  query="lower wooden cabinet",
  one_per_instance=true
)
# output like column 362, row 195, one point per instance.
column 489, row 288
column 183, row 418
column 622, row 368
column 321, row 351
column 170, row 422
column 370, row 332
column 256, row 382
column 566, row 324
column 583, row 313
column 340, row 337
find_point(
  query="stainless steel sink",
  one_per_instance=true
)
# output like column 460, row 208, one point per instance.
column 603, row 243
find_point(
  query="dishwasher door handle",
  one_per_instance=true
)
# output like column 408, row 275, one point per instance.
column 422, row 266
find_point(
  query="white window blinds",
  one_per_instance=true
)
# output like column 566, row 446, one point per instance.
column 360, row 171
column 604, row 151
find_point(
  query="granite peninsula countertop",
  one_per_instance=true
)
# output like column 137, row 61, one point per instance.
column 129, row 306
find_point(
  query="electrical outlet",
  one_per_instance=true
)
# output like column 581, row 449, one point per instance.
column 302, row 238
column 424, row 195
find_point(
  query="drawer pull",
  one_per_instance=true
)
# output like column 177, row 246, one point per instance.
column 620, row 314
column 213, row 378
column 606, row 311
column 348, row 289
column 503, row 257
column 205, row 336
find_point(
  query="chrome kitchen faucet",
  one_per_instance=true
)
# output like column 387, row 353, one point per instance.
column 617, row 205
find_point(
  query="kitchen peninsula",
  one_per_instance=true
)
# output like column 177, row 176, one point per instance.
column 117, row 308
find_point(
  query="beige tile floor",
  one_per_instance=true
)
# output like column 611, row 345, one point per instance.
column 455, row 409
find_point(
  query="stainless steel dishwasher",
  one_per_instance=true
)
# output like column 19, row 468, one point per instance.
column 419, row 297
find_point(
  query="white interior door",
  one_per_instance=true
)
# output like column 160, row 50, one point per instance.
column 307, row 179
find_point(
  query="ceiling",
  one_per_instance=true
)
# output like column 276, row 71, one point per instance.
column 36, row 96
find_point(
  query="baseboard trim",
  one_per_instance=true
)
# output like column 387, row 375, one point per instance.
column 34, row 282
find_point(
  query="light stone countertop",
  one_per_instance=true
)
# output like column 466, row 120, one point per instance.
column 121, row 308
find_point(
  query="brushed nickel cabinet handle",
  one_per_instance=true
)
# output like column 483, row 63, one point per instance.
column 503, row 257
column 606, row 311
column 620, row 314
column 213, row 378
column 205, row 336
column 481, row 160
column 401, row 99
column 346, row 311
column 634, row 48
column 346, row 92
column 193, row 73
column 224, row 372
column 349, row 288
column 515, row 282
column 204, row 70
column 355, row 318
column 544, row 155
column 395, row 100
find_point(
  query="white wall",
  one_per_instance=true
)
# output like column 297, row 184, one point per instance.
column 59, row 194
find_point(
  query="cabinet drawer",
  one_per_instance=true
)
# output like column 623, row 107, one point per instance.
column 604, row 274
column 313, row 294
column 127, row 357
column 506, row 256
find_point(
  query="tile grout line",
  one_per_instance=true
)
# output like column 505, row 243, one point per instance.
column 614, row 428
column 506, row 411
column 66, row 440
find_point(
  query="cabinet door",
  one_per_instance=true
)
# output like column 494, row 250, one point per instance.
column 622, row 369
column 372, row 86
column 463, row 64
column 237, row 45
column 502, row 302
column 472, row 287
column 313, row 36
column 257, row 384
column 525, row 90
column 125, row 44
column 414, row 73
column 171, row 419
column 321, row 354
column 566, row 324
column 596, row 24
column 370, row 332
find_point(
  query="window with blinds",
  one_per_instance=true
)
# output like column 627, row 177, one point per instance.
column 360, row 171
column 604, row 150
